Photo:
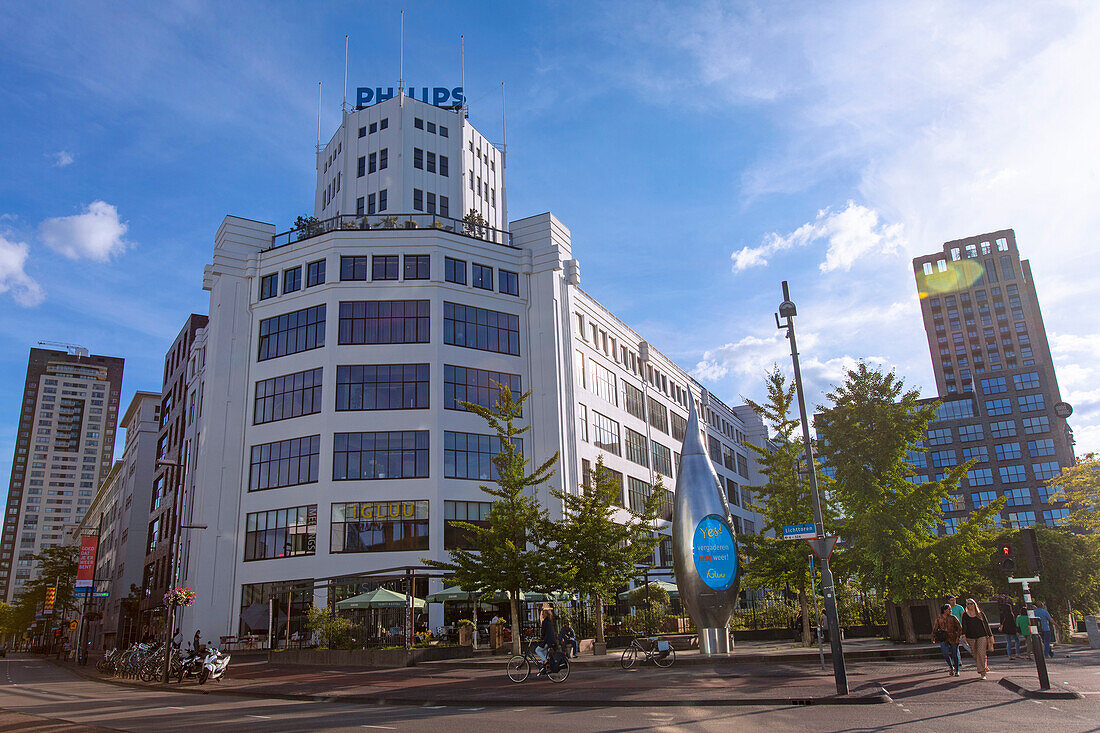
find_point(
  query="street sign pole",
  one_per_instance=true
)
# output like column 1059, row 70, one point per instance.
column 787, row 310
column 817, row 615
column 1033, row 624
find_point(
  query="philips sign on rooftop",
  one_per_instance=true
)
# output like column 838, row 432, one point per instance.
column 439, row 96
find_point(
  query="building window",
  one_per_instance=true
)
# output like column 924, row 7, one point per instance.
column 582, row 425
column 993, row 386
column 482, row 277
column 363, row 132
column 478, row 328
column 1013, row 474
column 982, row 498
column 293, row 395
column 658, row 415
column 969, row 433
column 353, row 268
column 1055, row 517
column 679, row 427
column 444, row 166
column 442, row 131
column 637, row 494
column 1034, row 425
column 470, row 455
column 418, row 199
column 373, row 127
column 379, row 526
column 418, row 123
column 431, row 202
column 471, row 512
column 290, row 532
column 418, row 158
column 382, row 197
column 382, row 387
column 417, row 267
column 384, row 322
column 1046, row 470
column 1003, row 429
column 605, row 432
column 636, row 449
column 1029, row 380
column 292, row 280
column 1007, row 451
column 998, row 407
column 1031, row 402
column 476, row 386
column 508, row 282
column 634, row 399
column 944, row 458
column 315, row 273
column 383, row 164
column 1017, row 497
column 430, row 162
column 1021, row 519
column 269, row 286
column 362, row 170
column 454, row 270
column 444, row 206
column 1040, row 447
column 978, row 454
column 384, row 267
column 916, row 458
column 292, row 333
column 662, row 459
column 941, row 436
column 371, row 207
column 372, row 163
column 284, row 463
column 603, row 381
column 380, row 455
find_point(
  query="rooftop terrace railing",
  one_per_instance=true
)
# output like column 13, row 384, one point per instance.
column 390, row 223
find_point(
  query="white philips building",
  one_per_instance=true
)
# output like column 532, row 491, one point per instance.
column 330, row 443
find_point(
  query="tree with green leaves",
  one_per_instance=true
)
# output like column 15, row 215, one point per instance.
column 507, row 555
column 56, row 568
column 1079, row 487
column 598, row 553
column 890, row 522
column 784, row 499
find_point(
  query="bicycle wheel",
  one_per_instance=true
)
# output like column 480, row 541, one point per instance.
column 561, row 675
column 518, row 668
column 667, row 660
column 630, row 656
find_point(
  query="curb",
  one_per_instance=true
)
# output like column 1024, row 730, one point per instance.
column 881, row 696
column 1056, row 692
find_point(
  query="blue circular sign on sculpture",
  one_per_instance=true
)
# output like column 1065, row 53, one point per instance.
column 715, row 551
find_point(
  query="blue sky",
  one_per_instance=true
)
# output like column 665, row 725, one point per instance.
column 700, row 153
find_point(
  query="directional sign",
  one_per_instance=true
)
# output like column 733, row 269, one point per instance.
column 823, row 547
column 101, row 594
column 799, row 531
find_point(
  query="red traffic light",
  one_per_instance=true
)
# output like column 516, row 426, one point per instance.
column 1006, row 550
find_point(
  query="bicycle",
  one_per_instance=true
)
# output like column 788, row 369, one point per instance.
column 519, row 666
column 661, row 652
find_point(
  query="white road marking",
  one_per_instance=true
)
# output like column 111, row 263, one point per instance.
column 607, row 716
column 265, row 717
column 175, row 707
column 434, row 707
column 381, row 727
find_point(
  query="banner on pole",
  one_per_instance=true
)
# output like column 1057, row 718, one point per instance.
column 85, row 564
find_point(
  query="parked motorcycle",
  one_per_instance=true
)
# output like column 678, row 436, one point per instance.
column 191, row 664
column 213, row 665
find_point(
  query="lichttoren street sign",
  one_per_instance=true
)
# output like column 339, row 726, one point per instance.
column 799, row 531
column 823, row 547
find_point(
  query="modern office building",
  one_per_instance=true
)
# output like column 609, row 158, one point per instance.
column 119, row 515
column 177, row 412
column 332, row 439
column 63, row 449
column 994, row 373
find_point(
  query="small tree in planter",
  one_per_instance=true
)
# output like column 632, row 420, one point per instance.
column 388, row 222
column 307, row 226
column 475, row 224
column 410, row 224
column 507, row 555
column 333, row 632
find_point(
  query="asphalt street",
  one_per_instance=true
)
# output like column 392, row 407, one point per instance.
column 36, row 695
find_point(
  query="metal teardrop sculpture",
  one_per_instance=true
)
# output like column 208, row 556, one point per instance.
column 704, row 546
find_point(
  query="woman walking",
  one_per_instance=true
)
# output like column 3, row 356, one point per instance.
column 947, row 631
column 978, row 635
column 1008, row 627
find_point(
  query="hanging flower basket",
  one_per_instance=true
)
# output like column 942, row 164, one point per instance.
column 179, row 597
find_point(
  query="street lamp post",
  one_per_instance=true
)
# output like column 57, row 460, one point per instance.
column 788, row 311
column 173, row 559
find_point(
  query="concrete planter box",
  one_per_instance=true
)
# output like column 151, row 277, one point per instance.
column 370, row 657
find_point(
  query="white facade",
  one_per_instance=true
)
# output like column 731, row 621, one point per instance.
column 402, row 146
column 543, row 336
column 120, row 513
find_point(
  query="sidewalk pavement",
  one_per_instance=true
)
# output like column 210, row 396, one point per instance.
column 780, row 680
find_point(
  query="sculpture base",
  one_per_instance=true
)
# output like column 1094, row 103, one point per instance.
column 714, row 641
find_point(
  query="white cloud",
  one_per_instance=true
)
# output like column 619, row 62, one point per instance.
column 95, row 234
column 850, row 234
column 13, row 278
column 62, row 158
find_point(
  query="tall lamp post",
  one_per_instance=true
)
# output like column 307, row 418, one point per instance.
column 180, row 470
column 788, row 311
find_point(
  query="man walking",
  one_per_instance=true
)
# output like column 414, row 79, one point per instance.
column 1046, row 630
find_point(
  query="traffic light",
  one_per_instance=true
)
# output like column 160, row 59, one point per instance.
column 1006, row 556
column 1031, row 550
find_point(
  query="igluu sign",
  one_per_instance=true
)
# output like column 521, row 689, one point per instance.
column 439, row 96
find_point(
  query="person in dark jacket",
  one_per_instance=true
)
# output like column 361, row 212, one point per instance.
column 548, row 638
column 1008, row 628
column 947, row 631
column 976, row 629
column 568, row 640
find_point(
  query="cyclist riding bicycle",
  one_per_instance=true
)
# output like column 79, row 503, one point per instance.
column 548, row 640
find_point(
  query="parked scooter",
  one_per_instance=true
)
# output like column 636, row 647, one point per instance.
column 191, row 664
column 214, row 665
